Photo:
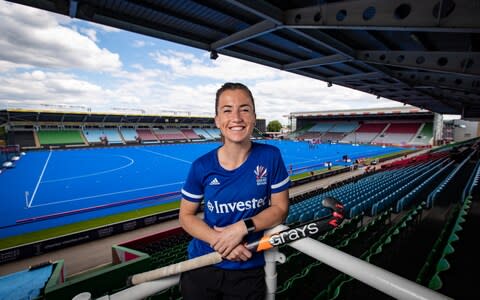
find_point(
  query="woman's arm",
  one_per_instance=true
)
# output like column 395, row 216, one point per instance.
column 273, row 215
column 194, row 225
column 229, row 237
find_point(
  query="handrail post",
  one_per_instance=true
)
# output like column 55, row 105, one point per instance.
column 273, row 256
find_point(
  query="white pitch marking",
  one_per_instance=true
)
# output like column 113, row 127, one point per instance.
column 108, row 194
column 97, row 173
column 40, row 179
column 167, row 156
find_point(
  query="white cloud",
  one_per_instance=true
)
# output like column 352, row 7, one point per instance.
column 6, row 66
column 34, row 37
column 277, row 93
column 47, row 86
column 141, row 43
column 92, row 34
column 42, row 55
column 104, row 28
column 138, row 44
column 294, row 93
column 224, row 68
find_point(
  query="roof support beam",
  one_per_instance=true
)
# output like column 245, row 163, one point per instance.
column 265, row 11
column 150, row 31
column 395, row 15
column 273, row 14
column 395, row 85
column 425, row 80
column 72, row 12
column 319, row 61
column 251, row 32
column 357, row 77
column 465, row 63
column 261, row 9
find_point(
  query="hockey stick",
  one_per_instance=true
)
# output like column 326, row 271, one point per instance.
column 266, row 242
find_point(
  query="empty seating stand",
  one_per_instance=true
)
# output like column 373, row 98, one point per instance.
column 145, row 135
column 26, row 139
column 60, row 137
column 398, row 134
column 366, row 133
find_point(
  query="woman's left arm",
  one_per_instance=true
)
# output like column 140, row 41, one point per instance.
column 273, row 215
column 231, row 236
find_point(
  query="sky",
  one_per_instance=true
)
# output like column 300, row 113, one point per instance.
column 51, row 61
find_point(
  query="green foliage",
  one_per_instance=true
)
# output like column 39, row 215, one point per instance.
column 274, row 126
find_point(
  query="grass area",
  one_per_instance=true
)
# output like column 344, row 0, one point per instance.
column 36, row 236
column 389, row 155
column 315, row 172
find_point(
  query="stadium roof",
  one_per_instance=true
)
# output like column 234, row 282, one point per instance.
column 26, row 116
column 423, row 53
column 365, row 111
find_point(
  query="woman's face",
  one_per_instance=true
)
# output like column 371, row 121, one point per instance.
column 236, row 116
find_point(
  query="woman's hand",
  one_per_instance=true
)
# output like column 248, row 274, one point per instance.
column 228, row 238
column 239, row 253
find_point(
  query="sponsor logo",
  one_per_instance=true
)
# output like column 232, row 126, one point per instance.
column 225, row 208
column 293, row 234
column 214, row 181
column 260, row 175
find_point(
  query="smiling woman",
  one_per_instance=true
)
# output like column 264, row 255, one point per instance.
column 244, row 186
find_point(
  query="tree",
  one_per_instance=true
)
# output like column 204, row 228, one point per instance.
column 274, row 126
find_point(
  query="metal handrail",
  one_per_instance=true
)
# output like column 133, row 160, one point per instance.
column 376, row 277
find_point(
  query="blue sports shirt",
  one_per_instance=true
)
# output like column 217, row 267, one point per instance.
column 233, row 195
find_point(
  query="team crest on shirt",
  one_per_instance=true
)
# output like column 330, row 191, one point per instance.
column 260, row 175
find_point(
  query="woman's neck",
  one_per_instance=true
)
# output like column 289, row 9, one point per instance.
column 232, row 155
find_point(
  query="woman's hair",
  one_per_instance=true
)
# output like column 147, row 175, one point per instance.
column 232, row 86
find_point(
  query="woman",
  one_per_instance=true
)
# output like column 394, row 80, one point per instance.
column 244, row 186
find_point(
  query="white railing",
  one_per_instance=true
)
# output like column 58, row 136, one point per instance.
column 376, row 277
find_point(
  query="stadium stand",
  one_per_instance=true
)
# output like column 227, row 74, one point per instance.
column 366, row 133
column 321, row 127
column 397, row 134
column 317, row 131
column 129, row 134
column 190, row 134
column 3, row 136
column 202, row 133
column 169, row 134
column 113, row 136
column 26, row 139
column 424, row 137
column 60, row 137
column 340, row 131
column 93, row 135
column 146, row 135
column 213, row 132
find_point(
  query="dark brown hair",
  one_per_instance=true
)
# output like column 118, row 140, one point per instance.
column 232, row 86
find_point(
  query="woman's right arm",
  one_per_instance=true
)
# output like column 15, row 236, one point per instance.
column 193, row 224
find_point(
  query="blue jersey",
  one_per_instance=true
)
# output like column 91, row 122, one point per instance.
column 233, row 195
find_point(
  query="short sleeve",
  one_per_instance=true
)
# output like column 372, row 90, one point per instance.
column 193, row 188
